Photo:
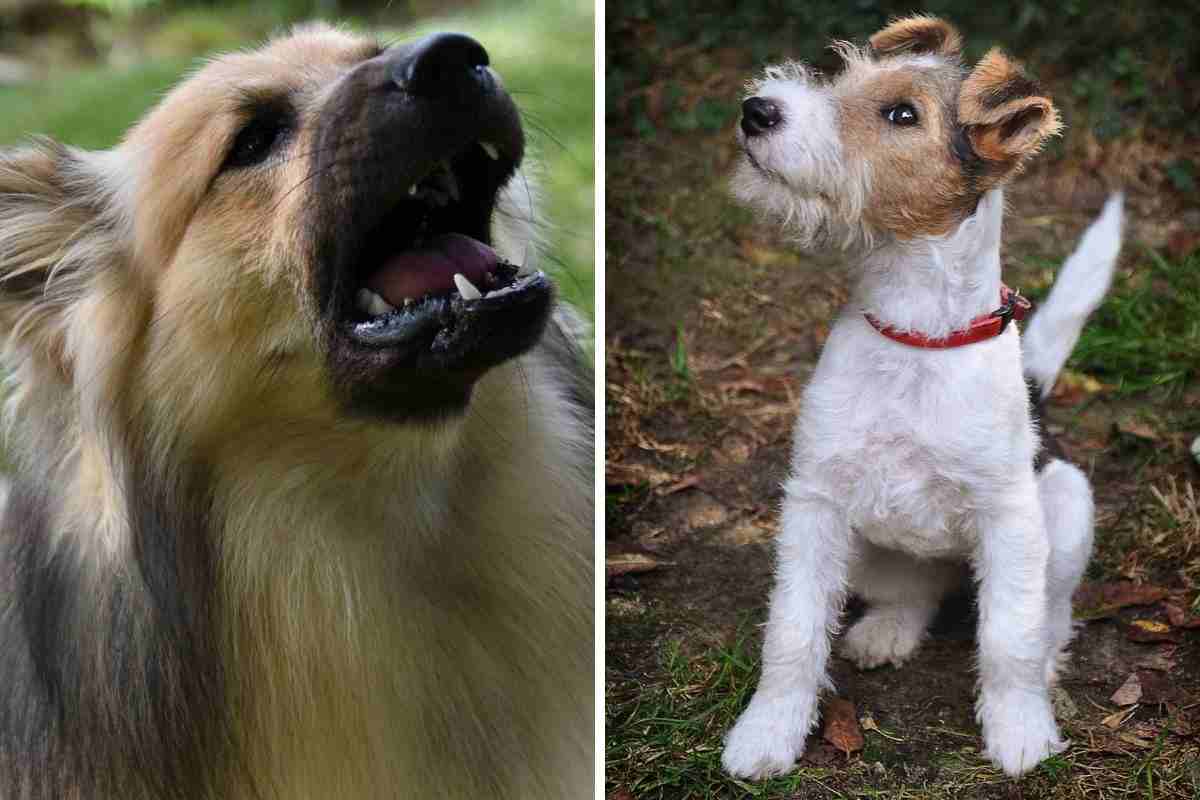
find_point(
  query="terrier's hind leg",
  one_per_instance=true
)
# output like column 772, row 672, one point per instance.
column 903, row 594
column 1066, row 500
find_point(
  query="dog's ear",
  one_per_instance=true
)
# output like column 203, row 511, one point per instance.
column 918, row 34
column 51, row 232
column 1004, row 116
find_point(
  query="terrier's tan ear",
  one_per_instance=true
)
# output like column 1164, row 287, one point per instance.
column 1004, row 115
column 918, row 34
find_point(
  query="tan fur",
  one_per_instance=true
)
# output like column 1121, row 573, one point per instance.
column 918, row 34
column 1007, row 119
column 916, row 188
column 404, row 611
column 917, row 184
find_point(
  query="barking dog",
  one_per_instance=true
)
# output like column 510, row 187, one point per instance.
column 915, row 451
column 302, row 503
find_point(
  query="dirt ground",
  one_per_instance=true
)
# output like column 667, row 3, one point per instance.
column 713, row 327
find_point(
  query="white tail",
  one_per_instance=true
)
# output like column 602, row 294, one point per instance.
column 1081, row 285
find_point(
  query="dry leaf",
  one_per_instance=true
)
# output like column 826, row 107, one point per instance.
column 1118, row 718
column 1138, row 430
column 1072, row 388
column 631, row 563
column 1095, row 600
column 679, row 485
column 1129, row 693
column 1148, row 630
column 841, row 726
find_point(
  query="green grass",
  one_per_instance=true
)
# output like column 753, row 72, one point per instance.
column 89, row 108
column 1146, row 333
column 543, row 49
column 664, row 740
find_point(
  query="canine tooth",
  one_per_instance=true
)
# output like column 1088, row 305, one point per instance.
column 380, row 306
column 465, row 287
column 412, row 190
column 372, row 303
column 491, row 149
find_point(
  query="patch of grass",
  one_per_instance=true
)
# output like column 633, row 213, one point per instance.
column 1172, row 527
column 89, row 108
column 1157, row 538
column 665, row 740
column 1146, row 334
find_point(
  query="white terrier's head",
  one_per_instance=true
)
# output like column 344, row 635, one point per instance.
column 901, row 144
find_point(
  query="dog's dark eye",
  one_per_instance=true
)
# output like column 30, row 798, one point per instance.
column 256, row 140
column 903, row 115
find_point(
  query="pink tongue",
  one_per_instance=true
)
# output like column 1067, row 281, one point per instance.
column 416, row 273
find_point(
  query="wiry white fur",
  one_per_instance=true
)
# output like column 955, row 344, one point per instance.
column 908, row 463
column 798, row 175
column 1080, row 287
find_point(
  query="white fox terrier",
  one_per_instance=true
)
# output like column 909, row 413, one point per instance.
column 916, row 449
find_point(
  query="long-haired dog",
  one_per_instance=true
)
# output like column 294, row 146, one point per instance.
column 302, row 503
column 916, row 449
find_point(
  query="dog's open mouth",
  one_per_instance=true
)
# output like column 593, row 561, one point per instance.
column 411, row 160
column 428, row 275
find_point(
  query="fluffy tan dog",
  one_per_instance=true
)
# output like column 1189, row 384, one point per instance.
column 302, row 501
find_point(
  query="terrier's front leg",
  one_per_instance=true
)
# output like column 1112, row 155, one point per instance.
column 1014, row 701
column 813, row 549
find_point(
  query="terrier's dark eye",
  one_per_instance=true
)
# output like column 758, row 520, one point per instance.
column 256, row 140
column 903, row 115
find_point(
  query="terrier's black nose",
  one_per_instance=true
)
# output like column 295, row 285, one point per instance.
column 759, row 116
column 445, row 64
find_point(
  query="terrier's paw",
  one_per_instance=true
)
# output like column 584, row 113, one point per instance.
column 879, row 639
column 1019, row 730
column 768, row 737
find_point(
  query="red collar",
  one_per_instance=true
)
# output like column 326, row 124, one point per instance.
column 1012, row 306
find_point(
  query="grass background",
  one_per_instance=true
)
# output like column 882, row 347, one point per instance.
column 544, row 49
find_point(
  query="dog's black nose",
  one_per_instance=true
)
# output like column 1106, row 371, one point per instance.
column 759, row 116
column 444, row 64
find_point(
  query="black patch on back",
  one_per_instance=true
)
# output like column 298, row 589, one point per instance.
column 110, row 680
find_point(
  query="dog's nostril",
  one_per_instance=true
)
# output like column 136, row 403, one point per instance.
column 445, row 63
column 759, row 116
